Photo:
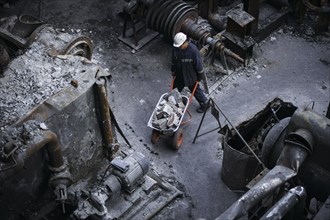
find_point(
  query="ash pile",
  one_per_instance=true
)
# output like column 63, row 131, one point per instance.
column 169, row 111
column 38, row 74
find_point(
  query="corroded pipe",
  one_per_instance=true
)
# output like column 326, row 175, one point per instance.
column 46, row 139
column 101, row 94
column 53, row 147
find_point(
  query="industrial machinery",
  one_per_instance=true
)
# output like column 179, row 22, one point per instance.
column 291, row 170
column 225, row 29
column 59, row 153
column 60, row 157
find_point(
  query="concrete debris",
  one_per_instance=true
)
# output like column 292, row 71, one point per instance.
column 169, row 111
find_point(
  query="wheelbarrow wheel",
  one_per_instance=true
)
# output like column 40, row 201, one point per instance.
column 155, row 136
column 178, row 139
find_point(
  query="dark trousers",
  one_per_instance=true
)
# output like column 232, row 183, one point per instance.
column 199, row 93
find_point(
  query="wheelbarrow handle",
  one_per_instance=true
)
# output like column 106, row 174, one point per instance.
column 172, row 83
column 193, row 92
column 190, row 99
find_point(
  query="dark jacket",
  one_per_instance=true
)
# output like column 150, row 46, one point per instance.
column 187, row 65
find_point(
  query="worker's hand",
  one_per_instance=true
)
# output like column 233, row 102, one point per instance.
column 173, row 74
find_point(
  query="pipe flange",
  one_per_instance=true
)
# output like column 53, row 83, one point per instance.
column 63, row 177
column 58, row 169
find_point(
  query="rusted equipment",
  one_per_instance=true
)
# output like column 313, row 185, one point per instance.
column 55, row 118
column 47, row 139
column 106, row 124
column 236, row 151
column 79, row 46
column 173, row 16
column 300, row 148
column 26, row 127
column 179, row 16
column 60, row 174
column 241, row 26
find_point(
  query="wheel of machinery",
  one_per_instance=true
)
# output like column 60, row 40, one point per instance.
column 155, row 136
column 178, row 139
column 80, row 46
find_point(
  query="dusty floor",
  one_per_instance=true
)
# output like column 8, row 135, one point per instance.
column 285, row 65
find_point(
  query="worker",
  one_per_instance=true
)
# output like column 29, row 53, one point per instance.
column 187, row 68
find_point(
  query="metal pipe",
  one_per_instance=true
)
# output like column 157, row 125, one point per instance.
column 265, row 187
column 296, row 197
column 234, row 55
column 101, row 94
column 293, row 155
column 53, row 147
column 47, row 139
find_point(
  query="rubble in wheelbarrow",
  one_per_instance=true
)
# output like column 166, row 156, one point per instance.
column 169, row 111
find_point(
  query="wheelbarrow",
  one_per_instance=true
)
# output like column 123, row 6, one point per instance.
column 177, row 132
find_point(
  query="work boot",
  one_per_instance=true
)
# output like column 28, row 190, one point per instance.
column 203, row 107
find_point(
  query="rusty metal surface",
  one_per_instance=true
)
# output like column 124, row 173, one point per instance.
column 104, row 109
column 81, row 46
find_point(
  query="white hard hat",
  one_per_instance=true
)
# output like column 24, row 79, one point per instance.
column 179, row 39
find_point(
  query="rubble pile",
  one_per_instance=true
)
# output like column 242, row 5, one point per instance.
column 35, row 76
column 169, row 111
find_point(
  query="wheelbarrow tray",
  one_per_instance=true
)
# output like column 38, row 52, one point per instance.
column 185, row 102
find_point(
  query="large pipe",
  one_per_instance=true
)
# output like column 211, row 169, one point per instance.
column 298, row 146
column 295, row 198
column 265, row 187
column 101, row 94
